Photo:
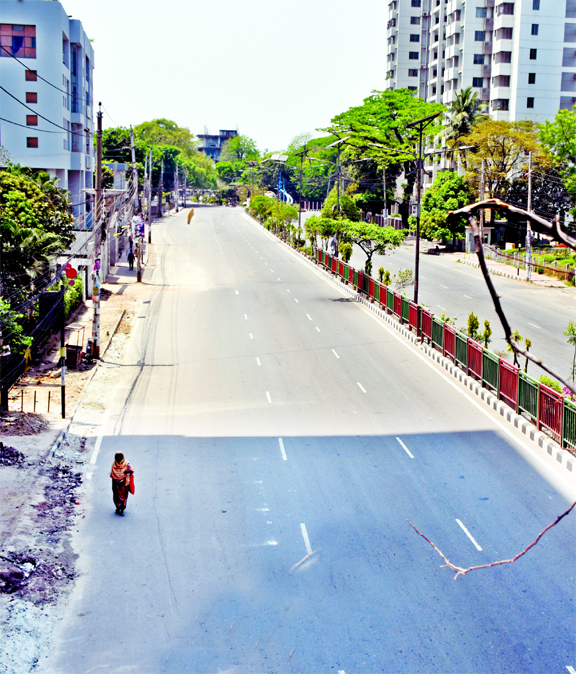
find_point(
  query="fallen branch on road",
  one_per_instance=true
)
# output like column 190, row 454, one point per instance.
column 462, row 572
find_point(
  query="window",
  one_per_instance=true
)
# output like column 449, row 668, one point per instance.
column 568, row 83
column 531, row 78
column 479, row 59
column 504, row 34
column 501, row 81
column 480, row 36
column 76, row 137
column 31, row 120
column 570, row 32
column 534, row 29
column 412, row 72
column 434, row 90
column 481, row 12
column 503, row 57
column 414, row 38
column 18, row 41
column 31, row 97
column 530, row 102
column 415, row 20
column 505, row 8
column 435, row 57
column 478, row 82
column 533, row 53
column 535, row 4
column 500, row 104
column 31, row 142
column 65, row 51
column 412, row 88
column 413, row 55
column 571, row 9
column 569, row 58
column 416, row 3
column 31, row 76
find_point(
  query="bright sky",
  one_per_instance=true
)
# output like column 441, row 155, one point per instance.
column 274, row 70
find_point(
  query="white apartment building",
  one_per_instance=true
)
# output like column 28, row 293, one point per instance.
column 519, row 56
column 46, row 105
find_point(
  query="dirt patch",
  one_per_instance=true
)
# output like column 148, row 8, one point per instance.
column 18, row 423
column 10, row 456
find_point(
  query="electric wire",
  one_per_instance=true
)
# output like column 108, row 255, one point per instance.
column 34, row 111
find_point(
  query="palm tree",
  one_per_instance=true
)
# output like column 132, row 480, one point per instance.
column 464, row 113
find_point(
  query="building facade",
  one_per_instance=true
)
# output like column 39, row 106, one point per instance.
column 46, row 104
column 212, row 143
column 520, row 57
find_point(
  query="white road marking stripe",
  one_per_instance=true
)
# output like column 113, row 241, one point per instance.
column 334, row 352
column 444, row 286
column 295, row 300
column 99, row 438
column 443, row 309
column 251, row 335
column 278, row 278
column 571, row 669
column 246, row 316
column 281, row 443
column 467, row 297
column 237, row 292
column 469, row 535
column 309, row 317
column 361, row 387
column 258, row 361
column 306, row 539
column 406, row 448
column 268, row 397
column 272, row 270
column 539, row 328
column 317, row 328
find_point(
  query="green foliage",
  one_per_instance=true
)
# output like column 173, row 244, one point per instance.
column 239, row 148
column 444, row 317
column 381, row 272
column 261, row 206
column 403, row 280
column 449, row 192
column 473, row 326
column 348, row 209
column 550, row 383
column 463, row 113
column 35, row 224
column 12, row 331
column 371, row 239
column 73, row 296
column 570, row 332
column 559, row 139
column 345, row 249
column 486, row 333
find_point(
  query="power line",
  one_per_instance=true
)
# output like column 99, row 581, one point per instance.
column 25, row 126
column 34, row 111
column 79, row 98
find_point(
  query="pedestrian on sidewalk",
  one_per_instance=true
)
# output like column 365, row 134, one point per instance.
column 122, row 482
column 131, row 261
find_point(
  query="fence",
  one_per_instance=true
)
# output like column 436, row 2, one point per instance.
column 382, row 220
column 520, row 263
column 548, row 410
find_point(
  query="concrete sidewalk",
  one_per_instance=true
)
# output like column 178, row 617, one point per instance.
column 509, row 271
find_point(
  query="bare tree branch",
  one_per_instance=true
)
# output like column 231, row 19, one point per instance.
column 495, row 204
column 460, row 571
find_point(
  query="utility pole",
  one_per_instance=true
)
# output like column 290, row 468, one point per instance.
column 176, row 187
column 138, row 254
column 3, row 389
column 150, row 198
column 528, row 227
column 134, row 171
column 482, row 189
column 385, row 211
column 97, row 239
column 62, row 354
column 160, row 192
column 185, row 188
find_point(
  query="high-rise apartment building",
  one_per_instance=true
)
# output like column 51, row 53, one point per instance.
column 520, row 57
column 46, row 101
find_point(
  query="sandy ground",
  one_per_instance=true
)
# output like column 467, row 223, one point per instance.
column 42, row 491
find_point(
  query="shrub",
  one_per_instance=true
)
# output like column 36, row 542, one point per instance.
column 550, row 383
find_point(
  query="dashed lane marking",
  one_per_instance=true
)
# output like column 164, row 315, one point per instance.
column 268, row 397
column 361, row 387
column 405, row 448
column 306, row 539
column 469, row 535
column 334, row 352
column 282, row 450
column 258, row 361
column 309, row 317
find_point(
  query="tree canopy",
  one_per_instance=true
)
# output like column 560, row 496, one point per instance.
column 448, row 192
column 559, row 139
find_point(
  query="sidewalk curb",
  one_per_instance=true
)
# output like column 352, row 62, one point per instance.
column 496, row 272
column 63, row 433
column 541, row 440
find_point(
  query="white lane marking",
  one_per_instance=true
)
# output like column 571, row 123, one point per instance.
column 99, row 438
column 317, row 328
column 281, row 443
column 406, row 448
column 306, row 539
column 251, row 335
column 539, row 328
column 237, row 292
column 246, row 316
column 295, row 300
column 268, row 396
column 469, row 535
column 571, row 669
column 341, row 671
column 279, row 278
column 446, row 287
column 334, row 352
column 258, row 361
column 272, row 270
column 361, row 387
column 309, row 317
column 287, row 290
column 443, row 309
column 467, row 297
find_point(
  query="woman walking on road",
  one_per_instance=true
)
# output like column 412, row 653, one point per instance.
column 122, row 482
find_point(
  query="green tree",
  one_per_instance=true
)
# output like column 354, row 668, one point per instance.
column 486, row 333
column 166, row 132
column 383, row 119
column 403, row 279
column 473, row 326
column 371, row 239
column 239, row 148
column 448, row 192
column 348, row 209
column 462, row 115
column 559, row 139
column 570, row 332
